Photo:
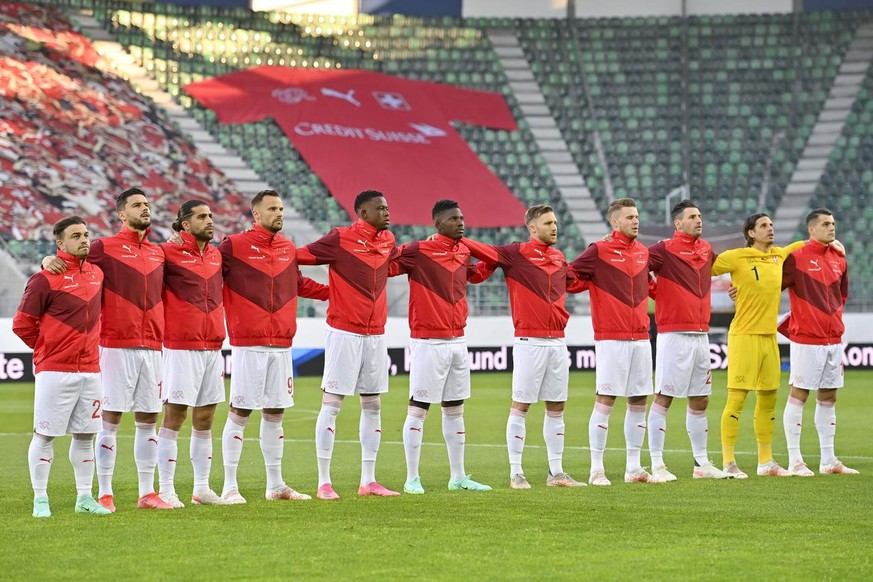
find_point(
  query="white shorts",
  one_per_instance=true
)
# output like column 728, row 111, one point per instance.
column 814, row 367
column 193, row 377
column 540, row 370
column 261, row 377
column 439, row 370
column 66, row 403
column 624, row 367
column 131, row 379
column 682, row 366
column 354, row 364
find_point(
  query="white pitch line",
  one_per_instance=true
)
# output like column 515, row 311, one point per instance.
column 477, row 445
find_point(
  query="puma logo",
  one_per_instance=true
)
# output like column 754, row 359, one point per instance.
column 348, row 97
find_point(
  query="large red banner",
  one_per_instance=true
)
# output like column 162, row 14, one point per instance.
column 361, row 130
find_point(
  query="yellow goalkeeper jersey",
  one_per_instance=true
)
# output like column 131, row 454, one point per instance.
column 757, row 275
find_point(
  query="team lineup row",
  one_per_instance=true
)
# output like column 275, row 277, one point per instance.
column 123, row 324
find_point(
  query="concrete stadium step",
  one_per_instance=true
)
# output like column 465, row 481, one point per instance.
column 519, row 75
column 541, row 121
column 535, row 109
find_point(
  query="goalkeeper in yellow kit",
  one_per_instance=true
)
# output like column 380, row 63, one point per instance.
column 753, row 355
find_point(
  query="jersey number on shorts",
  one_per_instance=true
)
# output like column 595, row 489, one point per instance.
column 96, row 405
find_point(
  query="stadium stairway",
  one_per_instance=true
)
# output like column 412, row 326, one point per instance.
column 571, row 184
column 120, row 62
column 827, row 130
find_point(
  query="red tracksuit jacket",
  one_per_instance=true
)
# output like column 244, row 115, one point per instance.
column 133, row 313
column 193, row 308
column 59, row 317
column 438, row 273
column 619, row 273
column 817, row 279
column 538, row 279
column 261, row 285
column 683, row 265
column 359, row 258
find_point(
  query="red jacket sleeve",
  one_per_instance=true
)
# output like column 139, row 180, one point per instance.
column 656, row 256
column 324, row 251
column 483, row 252
column 226, row 250
column 479, row 272
column 96, row 254
column 575, row 284
column 584, row 263
column 403, row 259
column 844, row 285
column 310, row 288
column 789, row 268
column 34, row 304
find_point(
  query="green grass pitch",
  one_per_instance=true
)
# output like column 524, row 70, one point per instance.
column 762, row 528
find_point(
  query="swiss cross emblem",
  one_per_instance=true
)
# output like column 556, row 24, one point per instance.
column 392, row 101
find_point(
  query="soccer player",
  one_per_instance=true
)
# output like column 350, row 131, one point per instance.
column 538, row 279
column 356, row 355
column 193, row 365
column 753, row 354
column 131, row 333
column 618, row 269
column 261, row 284
column 817, row 279
column 438, row 270
column 59, row 317
column 683, row 265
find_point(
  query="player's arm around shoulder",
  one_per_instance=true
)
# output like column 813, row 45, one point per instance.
column 584, row 264
column 310, row 288
column 656, row 256
column 795, row 246
column 324, row 251
column 726, row 262
column 483, row 252
column 404, row 260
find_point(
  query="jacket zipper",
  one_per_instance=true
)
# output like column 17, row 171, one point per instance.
column 87, row 318
column 145, row 294
column 205, row 290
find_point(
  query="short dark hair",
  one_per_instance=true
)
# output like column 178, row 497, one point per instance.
column 185, row 212
column 441, row 206
column 536, row 211
column 121, row 199
column 62, row 225
column 750, row 223
column 679, row 209
column 365, row 197
column 814, row 214
column 263, row 194
column 618, row 204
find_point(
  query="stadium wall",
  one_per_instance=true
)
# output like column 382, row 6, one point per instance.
column 620, row 8
column 217, row 3
column 819, row 5
column 487, row 354
column 337, row 7
column 527, row 8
